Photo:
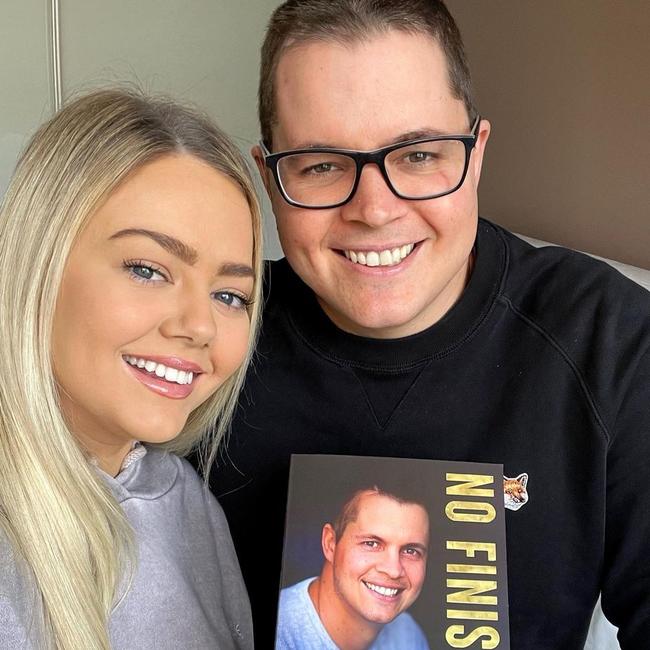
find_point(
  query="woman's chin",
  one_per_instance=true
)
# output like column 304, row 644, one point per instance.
column 158, row 428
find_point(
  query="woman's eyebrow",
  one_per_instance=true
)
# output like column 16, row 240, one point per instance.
column 236, row 270
column 184, row 251
column 172, row 245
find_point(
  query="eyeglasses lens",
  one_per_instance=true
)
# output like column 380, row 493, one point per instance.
column 426, row 168
column 317, row 178
column 416, row 171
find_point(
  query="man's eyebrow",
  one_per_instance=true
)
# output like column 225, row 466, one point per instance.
column 172, row 245
column 311, row 145
column 375, row 538
column 416, row 134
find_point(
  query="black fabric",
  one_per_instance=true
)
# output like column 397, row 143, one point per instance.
column 542, row 365
column 384, row 390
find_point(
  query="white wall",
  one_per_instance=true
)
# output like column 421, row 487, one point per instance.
column 204, row 52
column 565, row 85
column 24, row 79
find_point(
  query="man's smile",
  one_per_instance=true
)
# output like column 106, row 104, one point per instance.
column 387, row 593
column 385, row 257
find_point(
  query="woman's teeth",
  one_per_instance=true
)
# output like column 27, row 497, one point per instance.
column 388, row 257
column 162, row 371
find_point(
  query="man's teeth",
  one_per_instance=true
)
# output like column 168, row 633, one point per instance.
column 384, row 591
column 162, row 371
column 388, row 257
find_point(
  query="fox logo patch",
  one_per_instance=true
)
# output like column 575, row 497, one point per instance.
column 515, row 494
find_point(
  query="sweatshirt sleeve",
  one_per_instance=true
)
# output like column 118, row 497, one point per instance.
column 20, row 618
column 236, row 603
column 626, row 569
column 13, row 633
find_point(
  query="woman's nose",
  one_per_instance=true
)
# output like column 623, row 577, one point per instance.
column 193, row 318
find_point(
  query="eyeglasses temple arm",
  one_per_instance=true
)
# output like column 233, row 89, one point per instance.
column 264, row 148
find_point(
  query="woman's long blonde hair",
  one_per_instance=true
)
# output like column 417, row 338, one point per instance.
column 55, row 509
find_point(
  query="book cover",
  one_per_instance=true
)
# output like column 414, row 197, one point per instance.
column 393, row 554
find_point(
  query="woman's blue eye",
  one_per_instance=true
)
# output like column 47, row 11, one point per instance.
column 231, row 299
column 146, row 273
column 143, row 272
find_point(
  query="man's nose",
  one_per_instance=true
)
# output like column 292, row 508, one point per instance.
column 390, row 564
column 192, row 317
column 373, row 203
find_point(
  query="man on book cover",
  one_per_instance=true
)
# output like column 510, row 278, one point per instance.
column 375, row 558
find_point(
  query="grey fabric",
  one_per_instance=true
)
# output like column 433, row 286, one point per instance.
column 21, row 618
column 187, row 591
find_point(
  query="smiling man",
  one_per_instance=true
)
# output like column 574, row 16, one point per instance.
column 401, row 324
column 375, row 564
column 381, row 266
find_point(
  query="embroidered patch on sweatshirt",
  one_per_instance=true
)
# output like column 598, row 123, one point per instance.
column 515, row 493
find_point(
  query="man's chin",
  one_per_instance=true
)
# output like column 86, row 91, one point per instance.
column 372, row 319
column 382, row 613
column 377, row 326
column 382, row 618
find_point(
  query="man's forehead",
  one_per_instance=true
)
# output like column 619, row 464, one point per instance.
column 380, row 512
column 363, row 94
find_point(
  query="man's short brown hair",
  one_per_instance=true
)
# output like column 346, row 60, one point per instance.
column 349, row 510
column 348, row 21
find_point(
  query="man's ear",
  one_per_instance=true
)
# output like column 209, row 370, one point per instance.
column 479, row 149
column 264, row 171
column 328, row 542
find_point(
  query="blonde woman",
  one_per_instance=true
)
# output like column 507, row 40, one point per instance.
column 129, row 300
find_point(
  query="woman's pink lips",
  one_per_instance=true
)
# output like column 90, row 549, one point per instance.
column 172, row 362
column 160, row 386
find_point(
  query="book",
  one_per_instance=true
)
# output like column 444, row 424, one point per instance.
column 400, row 553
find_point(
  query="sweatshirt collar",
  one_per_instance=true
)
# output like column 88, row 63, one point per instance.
column 147, row 473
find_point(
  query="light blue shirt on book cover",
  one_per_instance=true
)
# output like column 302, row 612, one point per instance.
column 300, row 628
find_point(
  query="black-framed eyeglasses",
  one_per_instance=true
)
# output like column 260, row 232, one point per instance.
column 425, row 168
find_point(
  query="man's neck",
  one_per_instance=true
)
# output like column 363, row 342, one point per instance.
column 347, row 630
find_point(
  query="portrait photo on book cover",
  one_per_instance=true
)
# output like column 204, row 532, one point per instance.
column 393, row 553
